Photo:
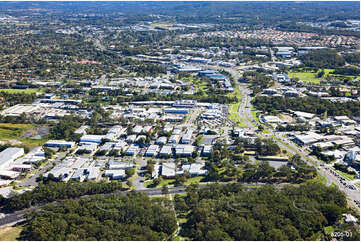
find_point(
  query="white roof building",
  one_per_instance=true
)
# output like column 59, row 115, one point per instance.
column 271, row 119
column 173, row 139
column 184, row 150
column 93, row 173
column 91, row 138
column 152, row 150
column 131, row 138
column 121, row 145
column 120, row 165
column 304, row 114
column 166, row 150
column 308, row 139
column 161, row 140
column 168, row 170
column 137, row 129
column 82, row 129
column 186, row 138
column 197, row 169
column 132, row 150
column 207, row 149
column 59, row 143
column 8, row 155
column 115, row 174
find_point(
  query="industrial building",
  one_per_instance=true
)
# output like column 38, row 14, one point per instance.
column 59, row 143
column 184, row 150
column 9, row 155
column 115, row 174
column 168, row 170
column 166, row 151
column 152, row 150
column 91, row 138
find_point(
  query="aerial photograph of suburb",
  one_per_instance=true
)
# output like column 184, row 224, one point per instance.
column 179, row 120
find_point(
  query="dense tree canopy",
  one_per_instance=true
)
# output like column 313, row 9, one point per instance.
column 52, row 191
column 134, row 216
column 307, row 104
column 230, row 212
column 322, row 59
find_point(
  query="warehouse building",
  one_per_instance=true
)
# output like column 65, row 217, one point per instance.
column 184, row 150
column 113, row 165
column 132, row 150
column 9, row 155
column 91, row 138
column 166, row 151
column 307, row 139
column 152, row 150
column 168, row 170
column 176, row 110
column 186, row 138
column 59, row 143
column 93, row 173
column 161, row 140
column 173, row 139
column 115, row 174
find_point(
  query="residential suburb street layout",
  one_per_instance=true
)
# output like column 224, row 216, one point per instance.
column 176, row 121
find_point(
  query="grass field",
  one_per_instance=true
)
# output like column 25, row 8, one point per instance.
column 305, row 77
column 28, row 91
column 10, row 233
column 310, row 77
column 11, row 131
column 319, row 179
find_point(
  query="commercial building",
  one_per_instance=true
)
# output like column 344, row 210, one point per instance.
column 131, row 138
column 59, row 143
column 184, row 104
column 79, row 175
column 60, row 173
column 19, row 109
column 270, row 91
column 303, row 115
column 82, row 129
